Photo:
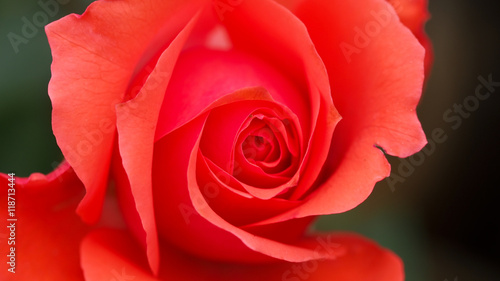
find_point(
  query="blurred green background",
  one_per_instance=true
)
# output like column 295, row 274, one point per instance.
column 443, row 220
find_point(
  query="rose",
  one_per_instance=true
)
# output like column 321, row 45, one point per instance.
column 121, row 99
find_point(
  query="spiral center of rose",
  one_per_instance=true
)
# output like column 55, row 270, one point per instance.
column 267, row 143
column 256, row 148
column 251, row 139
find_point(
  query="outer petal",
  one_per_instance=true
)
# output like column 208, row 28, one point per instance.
column 136, row 124
column 413, row 14
column 95, row 56
column 112, row 254
column 376, row 90
column 47, row 230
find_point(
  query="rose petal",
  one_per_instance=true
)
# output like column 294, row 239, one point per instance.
column 95, row 55
column 47, row 229
column 217, row 74
column 136, row 125
column 113, row 254
column 414, row 14
column 376, row 94
column 290, row 4
column 232, row 206
column 379, row 90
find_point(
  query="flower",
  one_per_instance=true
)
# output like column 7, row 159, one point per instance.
column 226, row 127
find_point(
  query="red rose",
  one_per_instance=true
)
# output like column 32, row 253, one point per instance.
column 226, row 126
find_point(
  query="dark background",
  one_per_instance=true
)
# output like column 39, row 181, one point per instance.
column 443, row 220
